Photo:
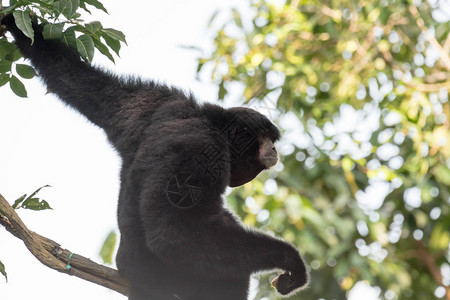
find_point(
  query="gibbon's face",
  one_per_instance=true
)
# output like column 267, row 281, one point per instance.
column 251, row 141
column 244, row 170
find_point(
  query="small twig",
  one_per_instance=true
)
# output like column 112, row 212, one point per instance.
column 437, row 77
column 49, row 253
column 332, row 13
column 446, row 46
column 430, row 87
column 294, row 4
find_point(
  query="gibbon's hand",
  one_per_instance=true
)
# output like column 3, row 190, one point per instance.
column 287, row 283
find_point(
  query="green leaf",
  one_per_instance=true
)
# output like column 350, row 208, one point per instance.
column 222, row 90
column 237, row 18
column 213, row 18
column 108, row 247
column 35, row 204
column 69, row 38
column 5, row 66
column 44, row 8
column 9, row 9
column 23, row 22
column 25, row 71
column 443, row 174
column 17, row 87
column 115, row 34
column 4, row 79
column 200, row 65
column 94, row 26
column 14, row 55
column 96, row 4
column 384, row 16
column 53, row 31
column 6, row 48
column 19, row 201
column 30, row 202
column 440, row 237
column 3, row 271
column 38, row 190
column 9, row 51
column 112, row 43
column 103, row 49
column 81, row 29
column 83, row 6
column 66, row 7
column 85, row 47
column 74, row 5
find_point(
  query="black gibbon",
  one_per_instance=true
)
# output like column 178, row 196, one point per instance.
column 177, row 239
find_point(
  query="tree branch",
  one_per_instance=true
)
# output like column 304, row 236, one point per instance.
column 53, row 256
column 429, row 87
column 430, row 263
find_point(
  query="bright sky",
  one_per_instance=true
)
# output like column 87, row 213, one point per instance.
column 44, row 142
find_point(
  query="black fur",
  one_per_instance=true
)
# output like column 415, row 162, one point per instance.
column 177, row 241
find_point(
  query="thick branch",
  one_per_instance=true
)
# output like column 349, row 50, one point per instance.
column 53, row 256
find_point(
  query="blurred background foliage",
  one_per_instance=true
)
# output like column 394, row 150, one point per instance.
column 360, row 89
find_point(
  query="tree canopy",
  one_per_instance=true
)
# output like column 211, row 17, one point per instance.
column 360, row 89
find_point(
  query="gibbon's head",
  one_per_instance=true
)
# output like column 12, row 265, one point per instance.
column 251, row 137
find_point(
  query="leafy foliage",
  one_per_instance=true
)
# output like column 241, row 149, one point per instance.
column 361, row 91
column 23, row 21
column 61, row 20
column 2, row 270
column 26, row 202
column 108, row 247
column 32, row 202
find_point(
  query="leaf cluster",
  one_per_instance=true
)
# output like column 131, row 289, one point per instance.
column 26, row 202
column 61, row 19
column 32, row 202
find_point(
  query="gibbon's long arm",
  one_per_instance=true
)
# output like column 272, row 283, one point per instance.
column 120, row 106
column 92, row 92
